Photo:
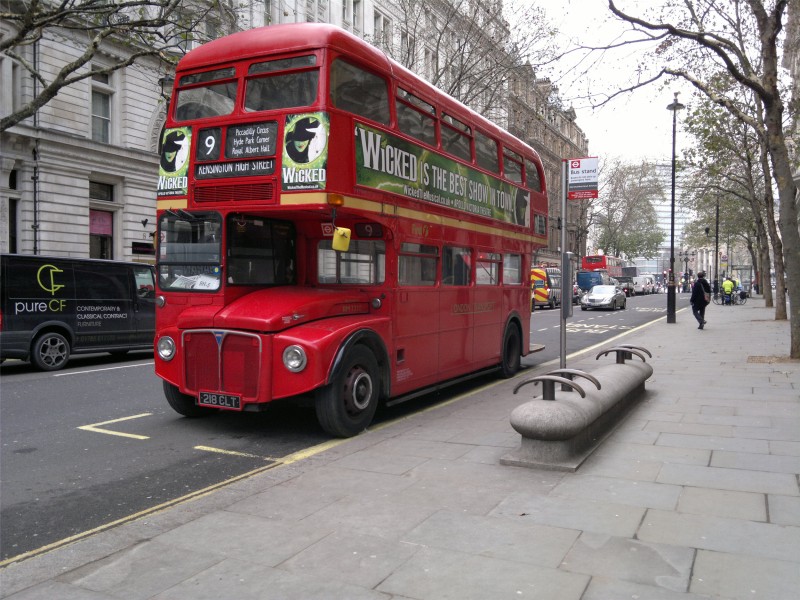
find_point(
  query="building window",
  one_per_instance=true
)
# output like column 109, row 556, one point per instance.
column 13, row 205
column 102, row 93
column 382, row 26
column 101, row 234
column 101, row 191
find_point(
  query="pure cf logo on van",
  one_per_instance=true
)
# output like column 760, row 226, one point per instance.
column 46, row 277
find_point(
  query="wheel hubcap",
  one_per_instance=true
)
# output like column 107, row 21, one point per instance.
column 358, row 390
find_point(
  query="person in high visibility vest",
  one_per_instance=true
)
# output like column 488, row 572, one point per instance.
column 727, row 291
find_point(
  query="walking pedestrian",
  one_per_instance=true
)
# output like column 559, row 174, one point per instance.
column 701, row 296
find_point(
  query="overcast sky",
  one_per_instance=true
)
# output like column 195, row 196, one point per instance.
column 634, row 126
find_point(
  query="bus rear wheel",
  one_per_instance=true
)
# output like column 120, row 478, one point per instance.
column 346, row 406
column 184, row 404
column 512, row 352
column 50, row 351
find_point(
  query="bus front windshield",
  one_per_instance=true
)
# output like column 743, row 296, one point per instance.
column 189, row 251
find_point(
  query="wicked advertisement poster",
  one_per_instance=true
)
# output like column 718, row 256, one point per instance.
column 305, row 152
column 391, row 164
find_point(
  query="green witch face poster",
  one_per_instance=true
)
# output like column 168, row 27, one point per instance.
column 305, row 151
column 174, row 165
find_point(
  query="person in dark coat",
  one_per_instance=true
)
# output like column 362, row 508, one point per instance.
column 701, row 295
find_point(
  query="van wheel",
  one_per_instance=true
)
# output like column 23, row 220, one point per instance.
column 346, row 406
column 184, row 404
column 512, row 352
column 50, row 351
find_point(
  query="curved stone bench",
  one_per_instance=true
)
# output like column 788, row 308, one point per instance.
column 561, row 432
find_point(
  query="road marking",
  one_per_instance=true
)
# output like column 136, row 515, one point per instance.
column 104, row 369
column 282, row 462
column 232, row 453
column 96, row 427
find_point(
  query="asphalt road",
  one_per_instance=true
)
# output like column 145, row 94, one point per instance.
column 97, row 442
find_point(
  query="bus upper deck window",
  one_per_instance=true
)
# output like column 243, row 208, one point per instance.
column 204, row 102
column 486, row 152
column 358, row 91
column 274, row 88
column 532, row 177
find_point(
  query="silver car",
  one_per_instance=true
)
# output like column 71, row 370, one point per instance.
column 604, row 296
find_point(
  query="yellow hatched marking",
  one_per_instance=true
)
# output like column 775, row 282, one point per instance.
column 231, row 452
column 96, row 427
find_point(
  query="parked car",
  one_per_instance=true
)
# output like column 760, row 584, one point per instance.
column 604, row 296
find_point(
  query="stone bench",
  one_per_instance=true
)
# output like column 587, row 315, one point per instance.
column 563, row 427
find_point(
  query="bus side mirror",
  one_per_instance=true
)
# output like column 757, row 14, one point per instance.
column 341, row 239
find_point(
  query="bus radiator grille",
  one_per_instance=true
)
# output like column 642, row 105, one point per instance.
column 230, row 364
column 263, row 192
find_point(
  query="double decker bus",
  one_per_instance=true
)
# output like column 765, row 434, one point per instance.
column 601, row 262
column 332, row 227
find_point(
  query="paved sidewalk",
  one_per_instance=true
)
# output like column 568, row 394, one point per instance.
column 694, row 495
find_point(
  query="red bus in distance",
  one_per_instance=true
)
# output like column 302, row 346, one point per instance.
column 601, row 262
column 332, row 226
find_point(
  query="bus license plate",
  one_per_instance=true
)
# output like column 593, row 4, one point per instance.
column 217, row 400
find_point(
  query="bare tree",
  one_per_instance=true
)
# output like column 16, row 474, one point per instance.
column 625, row 219
column 146, row 28
column 730, row 162
column 695, row 41
column 467, row 49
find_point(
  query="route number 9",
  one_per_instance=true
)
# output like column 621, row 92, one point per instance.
column 208, row 146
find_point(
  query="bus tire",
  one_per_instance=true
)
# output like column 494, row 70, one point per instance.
column 346, row 406
column 512, row 351
column 50, row 351
column 184, row 404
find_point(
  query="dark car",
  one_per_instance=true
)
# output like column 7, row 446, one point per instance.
column 609, row 297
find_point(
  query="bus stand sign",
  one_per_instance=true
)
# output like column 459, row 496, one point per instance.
column 582, row 178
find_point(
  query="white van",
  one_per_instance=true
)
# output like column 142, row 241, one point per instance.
column 643, row 284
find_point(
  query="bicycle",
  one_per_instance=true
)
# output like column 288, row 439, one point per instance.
column 739, row 298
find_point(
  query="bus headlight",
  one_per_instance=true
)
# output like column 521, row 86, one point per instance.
column 166, row 348
column 294, row 358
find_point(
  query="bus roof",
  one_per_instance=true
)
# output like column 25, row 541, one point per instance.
column 296, row 37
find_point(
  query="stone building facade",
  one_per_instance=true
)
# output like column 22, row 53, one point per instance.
column 79, row 177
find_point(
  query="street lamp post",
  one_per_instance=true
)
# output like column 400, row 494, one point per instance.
column 674, row 107
column 687, row 256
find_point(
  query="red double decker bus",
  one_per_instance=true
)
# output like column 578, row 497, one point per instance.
column 601, row 262
column 331, row 225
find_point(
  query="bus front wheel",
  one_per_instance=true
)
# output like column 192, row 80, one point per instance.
column 346, row 406
column 184, row 404
column 512, row 352
column 50, row 351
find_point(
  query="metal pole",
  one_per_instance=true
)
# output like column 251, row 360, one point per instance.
column 716, row 252
column 563, row 337
column 674, row 107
